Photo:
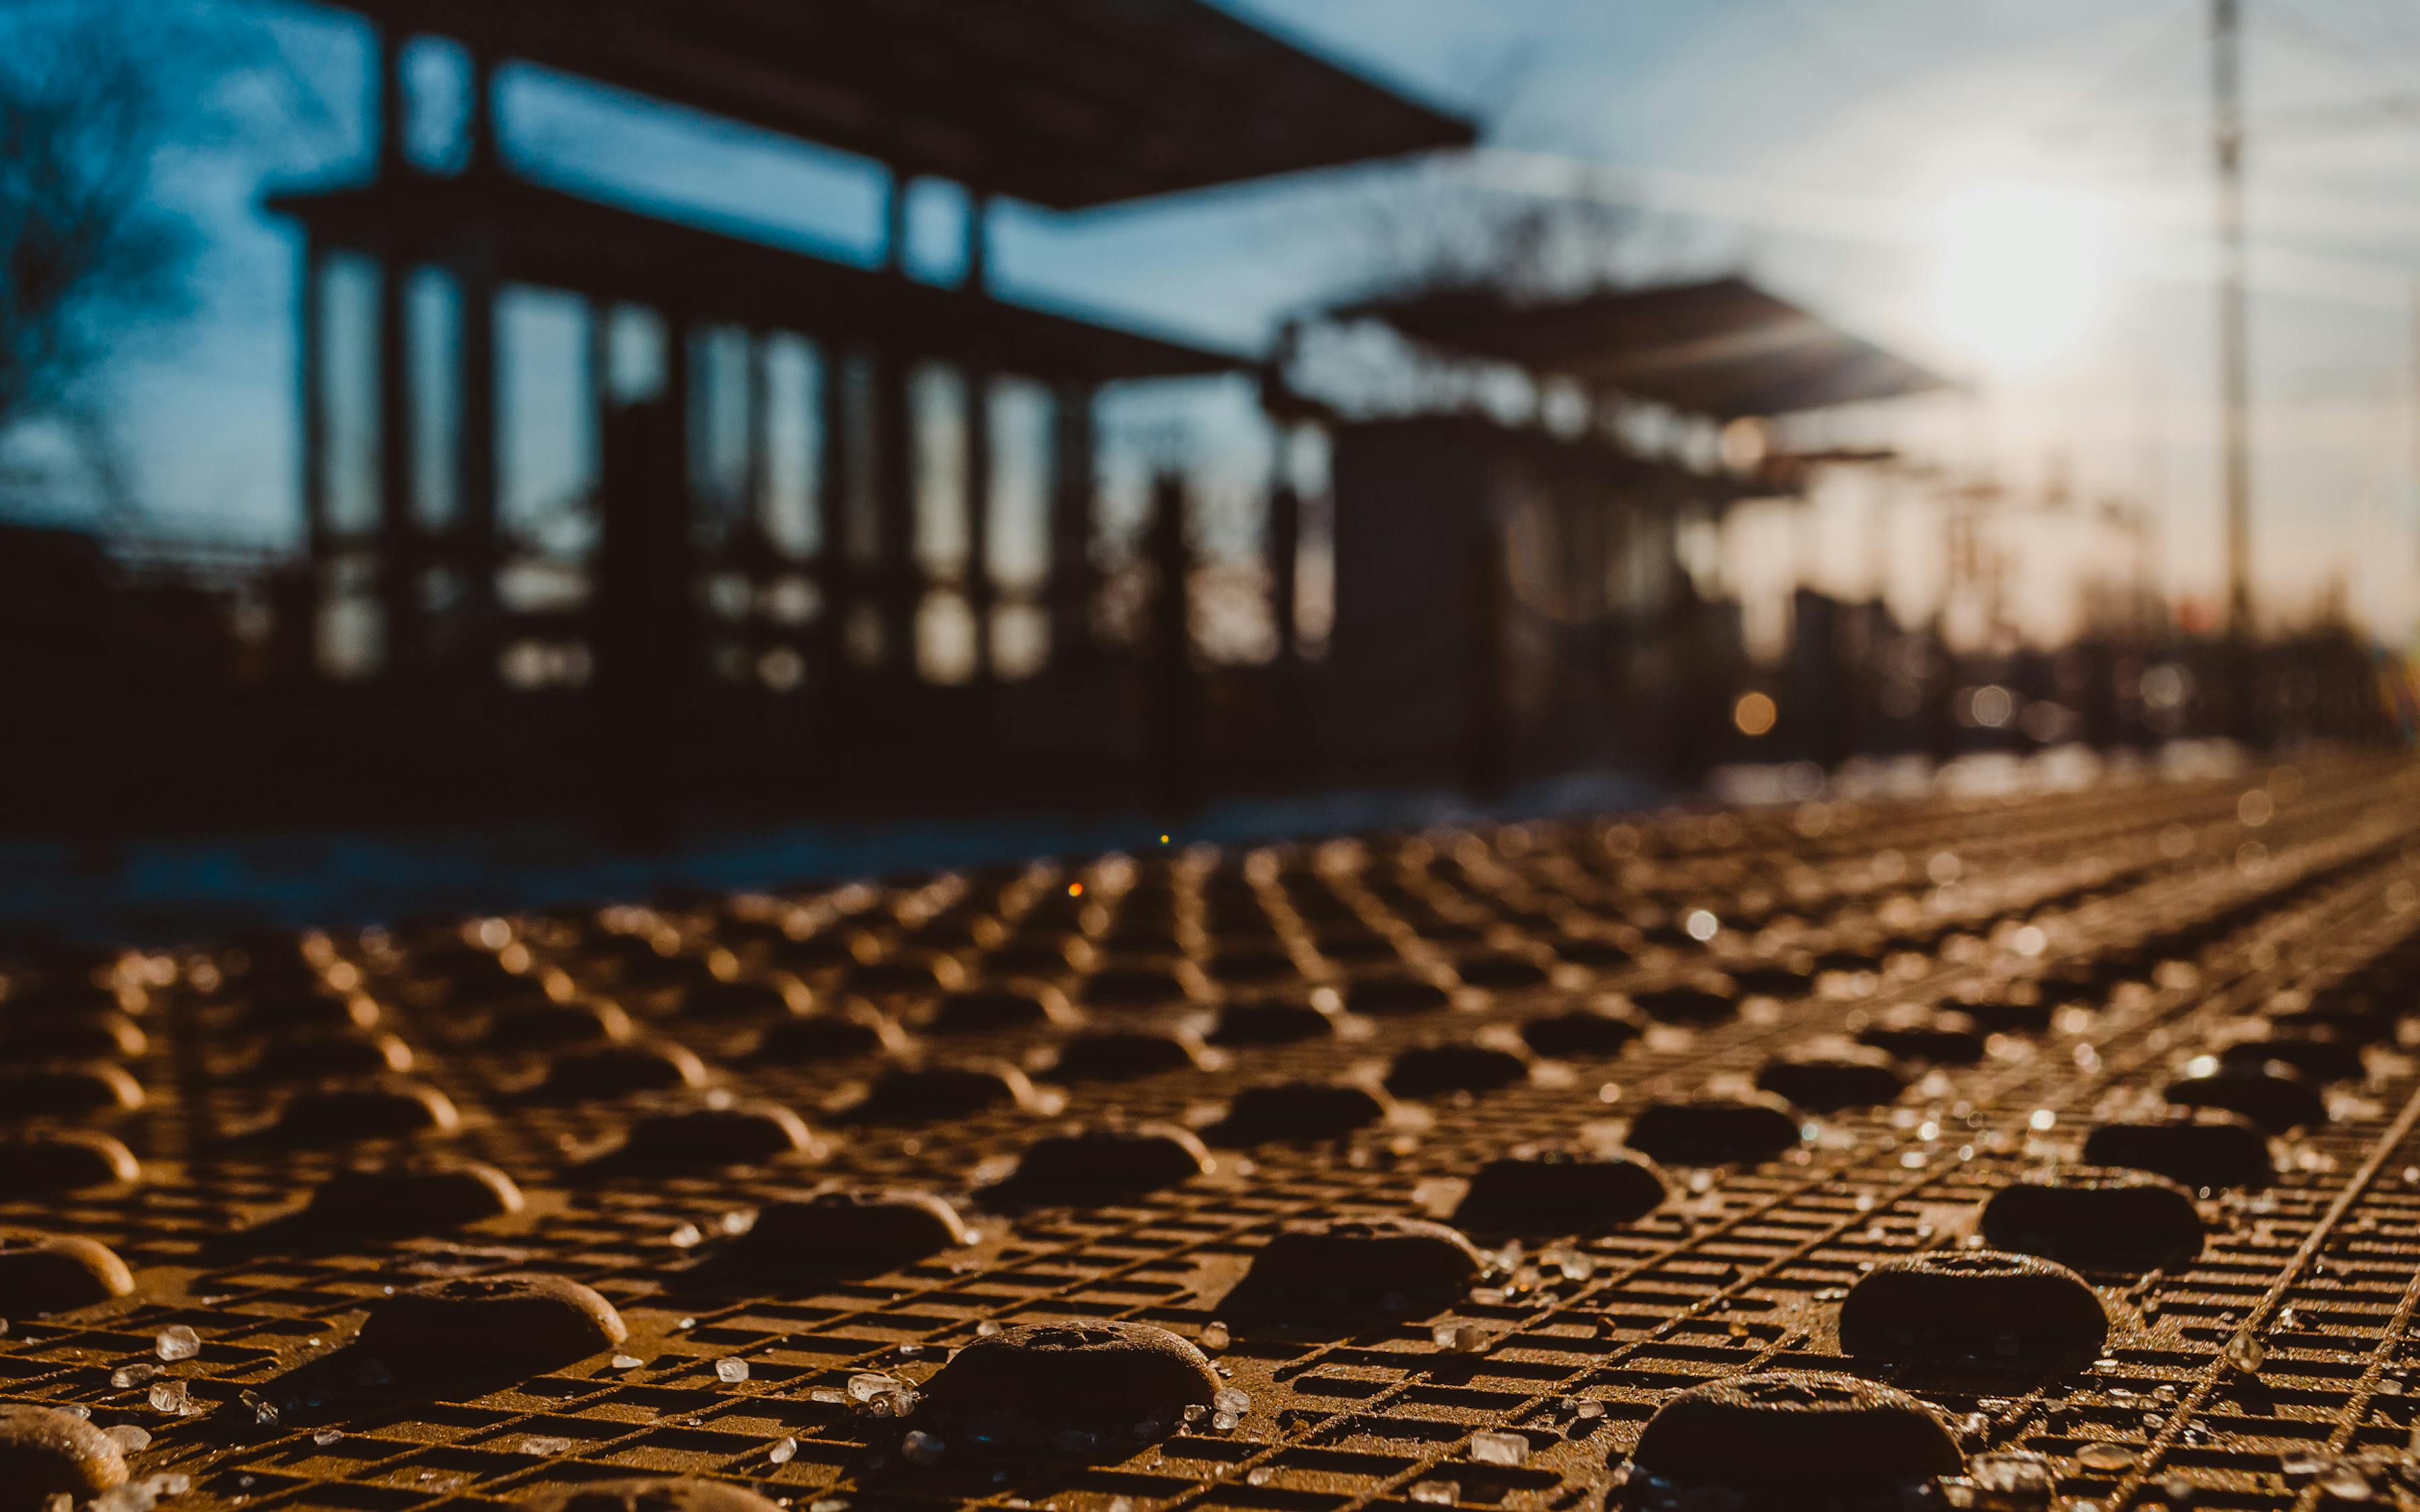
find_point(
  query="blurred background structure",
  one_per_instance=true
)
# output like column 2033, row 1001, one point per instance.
column 660, row 418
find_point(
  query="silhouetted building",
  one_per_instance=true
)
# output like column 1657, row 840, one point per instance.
column 1518, row 597
column 836, row 520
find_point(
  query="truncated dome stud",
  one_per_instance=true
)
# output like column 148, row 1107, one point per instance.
column 1786, row 1438
column 384, row 1108
column 470, row 1327
column 1296, row 1110
column 2097, row 1218
column 918, row 1094
column 1270, row 1021
column 2271, row 1094
column 46, row 1452
column 1432, row 1070
column 1715, row 1131
column 1037, row 1382
column 67, row 1089
column 649, row 1493
column 1976, row 1307
column 44, row 1273
column 44, row 1161
column 1583, row 1031
column 1828, row 1078
column 1119, row 1055
column 1103, row 1164
column 1356, row 1265
column 415, row 1196
column 2202, row 1148
column 847, row 1233
column 1555, row 1192
column 704, row 1138
column 1700, row 1001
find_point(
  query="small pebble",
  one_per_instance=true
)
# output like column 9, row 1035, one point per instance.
column 2108, row 1458
column 730, row 1371
column 1499, row 1448
column 177, row 1342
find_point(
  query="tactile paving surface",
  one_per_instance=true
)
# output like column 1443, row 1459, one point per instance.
column 2102, row 941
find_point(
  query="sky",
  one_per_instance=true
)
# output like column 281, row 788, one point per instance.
column 2015, row 191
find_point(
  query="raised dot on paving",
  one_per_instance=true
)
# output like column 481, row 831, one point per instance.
column 1700, row 1000
column 2271, row 1094
column 1828, row 1078
column 648, row 1493
column 385, row 1107
column 997, row 1009
column 1559, row 1191
column 1598, row 1030
column 618, row 1070
column 918, row 1094
column 833, row 1034
column 100, row 1034
column 46, row 1452
column 1105, row 1163
column 471, row 1327
column 1976, row 1307
column 1123, row 1055
column 2205, row 1149
column 1794, row 1438
column 420, row 1196
column 847, row 1233
column 739, row 1001
column 1431, row 1069
column 907, row 974
column 1500, row 970
column 705, row 1138
column 1271, row 1020
column 44, row 1161
column 1355, row 1266
column 2006, row 1007
column 2096, row 1218
column 1296, row 1110
column 1932, row 1037
column 1137, row 986
column 1715, row 1130
column 543, row 1023
column 322, row 1056
column 2317, row 1054
column 68, row 1089
column 311, row 1009
column 44, row 1273
column 1386, row 993
column 1032, row 1383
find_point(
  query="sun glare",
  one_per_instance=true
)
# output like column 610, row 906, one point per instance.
column 2023, row 274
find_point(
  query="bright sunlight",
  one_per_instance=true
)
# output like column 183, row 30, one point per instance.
column 2023, row 273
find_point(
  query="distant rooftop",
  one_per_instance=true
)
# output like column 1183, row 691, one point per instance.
column 546, row 236
column 1725, row 349
column 1066, row 103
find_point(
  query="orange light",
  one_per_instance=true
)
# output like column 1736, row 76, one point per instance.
column 1755, row 714
column 1075, row 889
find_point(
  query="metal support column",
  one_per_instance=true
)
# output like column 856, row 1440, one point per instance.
column 981, row 594
column 1072, row 508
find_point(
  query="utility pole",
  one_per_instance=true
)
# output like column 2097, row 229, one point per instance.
column 2414, row 381
column 2227, row 80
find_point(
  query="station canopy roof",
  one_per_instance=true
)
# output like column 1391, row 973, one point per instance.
column 1066, row 103
column 1725, row 347
column 547, row 238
